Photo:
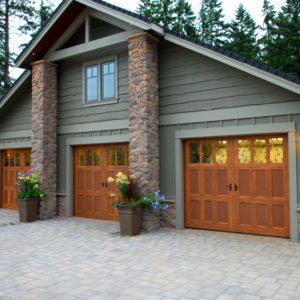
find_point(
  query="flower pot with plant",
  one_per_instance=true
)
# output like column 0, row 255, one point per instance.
column 128, row 202
column 29, row 194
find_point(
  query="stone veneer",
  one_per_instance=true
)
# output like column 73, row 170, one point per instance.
column 44, row 132
column 143, row 115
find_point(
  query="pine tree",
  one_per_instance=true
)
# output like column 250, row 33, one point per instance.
column 242, row 35
column 267, row 41
column 185, row 20
column 174, row 15
column 284, row 54
column 21, row 17
column 211, row 24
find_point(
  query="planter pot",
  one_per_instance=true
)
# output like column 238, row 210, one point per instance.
column 28, row 209
column 130, row 219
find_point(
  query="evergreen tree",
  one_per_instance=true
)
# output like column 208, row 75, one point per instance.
column 242, row 34
column 185, row 19
column 211, row 24
column 174, row 15
column 283, row 51
column 22, row 17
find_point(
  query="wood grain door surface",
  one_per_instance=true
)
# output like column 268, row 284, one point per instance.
column 238, row 184
column 13, row 162
column 92, row 166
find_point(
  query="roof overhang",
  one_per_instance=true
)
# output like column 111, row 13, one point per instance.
column 65, row 14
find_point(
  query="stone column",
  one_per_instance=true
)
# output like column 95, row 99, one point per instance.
column 44, row 132
column 143, row 114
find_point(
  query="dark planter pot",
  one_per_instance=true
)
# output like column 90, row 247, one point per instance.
column 28, row 209
column 130, row 220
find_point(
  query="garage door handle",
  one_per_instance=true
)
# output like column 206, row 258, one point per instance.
column 102, row 184
column 229, row 186
column 235, row 187
column 105, row 184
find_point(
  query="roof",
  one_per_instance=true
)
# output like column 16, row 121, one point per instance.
column 184, row 38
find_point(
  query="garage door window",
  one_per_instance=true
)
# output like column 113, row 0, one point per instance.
column 276, row 150
column 194, row 153
column 260, row 151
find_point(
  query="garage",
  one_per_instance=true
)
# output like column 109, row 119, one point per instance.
column 92, row 166
column 237, row 184
column 13, row 161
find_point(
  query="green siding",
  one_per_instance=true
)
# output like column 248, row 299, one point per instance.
column 190, row 82
column 70, row 95
column 16, row 115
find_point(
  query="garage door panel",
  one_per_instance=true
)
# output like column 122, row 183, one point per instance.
column 262, row 215
column 243, row 184
column 223, row 212
column 278, row 216
column 208, row 182
column 208, row 211
column 260, row 183
column 194, row 181
column 195, row 210
column 277, row 176
column 222, row 182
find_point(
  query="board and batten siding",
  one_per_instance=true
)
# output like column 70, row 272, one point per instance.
column 192, row 83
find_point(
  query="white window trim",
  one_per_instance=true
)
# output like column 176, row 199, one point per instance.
column 98, row 62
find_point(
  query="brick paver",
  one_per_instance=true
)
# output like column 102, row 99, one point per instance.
column 85, row 259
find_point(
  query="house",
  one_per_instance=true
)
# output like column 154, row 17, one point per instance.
column 105, row 89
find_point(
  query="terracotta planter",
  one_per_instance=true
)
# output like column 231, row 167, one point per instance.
column 28, row 209
column 130, row 219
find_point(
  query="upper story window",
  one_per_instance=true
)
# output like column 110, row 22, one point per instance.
column 100, row 82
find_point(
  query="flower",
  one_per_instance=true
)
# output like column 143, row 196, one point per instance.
column 110, row 180
column 28, row 186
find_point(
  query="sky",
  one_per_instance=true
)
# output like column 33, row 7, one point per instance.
column 254, row 7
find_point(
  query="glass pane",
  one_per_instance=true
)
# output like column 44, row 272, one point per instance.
column 105, row 69
column 6, row 160
column 88, row 157
column 92, row 89
column 260, row 151
column 108, row 86
column 80, row 157
column 111, row 157
column 194, row 153
column 95, row 71
column 97, row 157
column 12, row 159
column 27, row 159
column 276, row 150
column 18, row 159
column 112, row 67
column 121, row 156
column 244, row 151
column 207, row 153
column 221, row 152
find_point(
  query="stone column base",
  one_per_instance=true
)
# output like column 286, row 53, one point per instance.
column 47, row 208
column 61, row 206
column 168, row 217
column 150, row 221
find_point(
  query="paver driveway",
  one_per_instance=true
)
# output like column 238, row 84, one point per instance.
column 80, row 259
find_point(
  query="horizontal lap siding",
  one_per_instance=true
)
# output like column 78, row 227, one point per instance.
column 190, row 82
column 16, row 115
column 70, row 88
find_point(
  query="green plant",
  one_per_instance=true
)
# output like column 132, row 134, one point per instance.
column 128, row 189
column 28, row 186
column 156, row 201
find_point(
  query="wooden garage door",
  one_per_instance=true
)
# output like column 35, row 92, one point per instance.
column 238, row 184
column 13, row 161
column 92, row 166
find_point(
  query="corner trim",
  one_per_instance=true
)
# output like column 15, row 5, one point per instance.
column 70, row 142
column 289, row 128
